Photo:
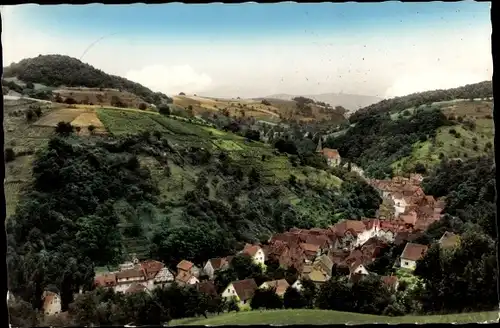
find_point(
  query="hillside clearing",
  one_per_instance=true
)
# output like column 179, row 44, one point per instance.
column 321, row 317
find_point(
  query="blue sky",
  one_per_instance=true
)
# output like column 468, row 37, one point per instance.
column 283, row 48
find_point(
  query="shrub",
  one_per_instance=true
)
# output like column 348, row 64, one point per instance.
column 70, row 101
column 64, row 128
column 91, row 128
column 143, row 106
column 164, row 109
column 182, row 94
column 265, row 102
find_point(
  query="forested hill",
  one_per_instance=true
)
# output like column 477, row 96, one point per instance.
column 471, row 91
column 60, row 70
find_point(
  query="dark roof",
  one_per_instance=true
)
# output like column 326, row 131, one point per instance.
column 413, row 251
column 130, row 273
column 245, row 289
column 207, row 287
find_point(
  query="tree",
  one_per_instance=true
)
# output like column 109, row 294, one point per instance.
column 64, row 128
column 265, row 102
column 70, row 101
column 91, row 128
column 143, row 106
column 293, row 299
column 164, row 109
column 267, row 299
column 244, row 267
column 30, row 114
column 182, row 94
column 252, row 135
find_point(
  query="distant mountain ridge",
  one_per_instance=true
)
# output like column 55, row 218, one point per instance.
column 351, row 102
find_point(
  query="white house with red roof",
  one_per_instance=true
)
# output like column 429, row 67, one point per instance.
column 255, row 252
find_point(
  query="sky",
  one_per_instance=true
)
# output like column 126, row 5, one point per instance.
column 249, row 50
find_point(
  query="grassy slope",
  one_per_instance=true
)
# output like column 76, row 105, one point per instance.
column 182, row 134
column 291, row 317
column 428, row 152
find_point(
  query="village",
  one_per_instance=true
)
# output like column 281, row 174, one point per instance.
column 349, row 246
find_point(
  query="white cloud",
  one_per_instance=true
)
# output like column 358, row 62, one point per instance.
column 171, row 79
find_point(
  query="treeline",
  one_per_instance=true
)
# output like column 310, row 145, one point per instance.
column 376, row 141
column 397, row 104
column 59, row 70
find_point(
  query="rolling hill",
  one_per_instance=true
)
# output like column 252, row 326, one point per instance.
column 349, row 101
column 415, row 132
column 61, row 72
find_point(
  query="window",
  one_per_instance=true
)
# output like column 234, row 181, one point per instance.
column 406, row 263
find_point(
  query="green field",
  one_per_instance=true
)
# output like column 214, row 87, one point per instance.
column 465, row 143
column 321, row 317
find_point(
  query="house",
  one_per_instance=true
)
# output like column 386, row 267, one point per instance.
column 186, row 278
column 214, row 265
column 411, row 254
column 400, row 203
column 409, row 219
column 311, row 251
column 242, row 291
column 207, row 288
column 164, row 277
column 189, row 267
column 391, row 282
column 51, row 303
column 297, row 285
column 125, row 279
column 279, row 285
column 129, row 264
column 347, row 232
column 316, row 275
column 105, row 280
column 357, row 267
column 255, row 252
column 449, row 240
column 324, row 263
column 332, row 156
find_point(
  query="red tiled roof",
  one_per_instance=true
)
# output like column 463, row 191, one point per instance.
column 151, row 268
column 330, row 153
column 280, row 285
column 185, row 265
column 130, row 273
column 245, row 289
column 251, row 249
column 218, row 262
column 105, row 280
column 349, row 225
column 413, row 251
column 309, row 247
column 183, row 276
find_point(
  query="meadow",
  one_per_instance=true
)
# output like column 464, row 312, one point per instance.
column 324, row 317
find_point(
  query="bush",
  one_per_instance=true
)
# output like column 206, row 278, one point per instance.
column 164, row 109
column 64, row 128
column 70, row 101
column 143, row 106
column 91, row 128
column 30, row 115
column 265, row 102
column 182, row 94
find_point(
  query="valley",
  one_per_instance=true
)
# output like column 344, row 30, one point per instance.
column 107, row 180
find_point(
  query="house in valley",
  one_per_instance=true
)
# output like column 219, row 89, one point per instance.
column 214, row 265
column 184, row 278
column 315, row 274
column 449, row 240
column 311, row 251
column 189, row 267
column 332, row 157
column 126, row 278
column 163, row 278
column 242, row 291
column 207, row 288
column 256, row 253
column 324, row 263
column 279, row 286
column 411, row 254
column 297, row 285
column 105, row 280
column 347, row 232
column 51, row 303
column 358, row 268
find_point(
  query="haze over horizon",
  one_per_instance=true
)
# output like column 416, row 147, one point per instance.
column 253, row 50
